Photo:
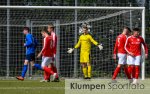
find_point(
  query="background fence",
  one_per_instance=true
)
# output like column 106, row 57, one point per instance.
column 106, row 25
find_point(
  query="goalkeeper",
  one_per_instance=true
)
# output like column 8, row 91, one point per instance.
column 84, row 43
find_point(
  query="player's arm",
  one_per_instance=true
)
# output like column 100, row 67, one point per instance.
column 115, row 49
column 54, row 44
column 126, row 47
column 43, row 49
column 29, row 41
column 96, row 43
column 70, row 50
column 78, row 44
column 145, row 48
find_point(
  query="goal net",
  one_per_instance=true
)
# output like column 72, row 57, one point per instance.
column 106, row 23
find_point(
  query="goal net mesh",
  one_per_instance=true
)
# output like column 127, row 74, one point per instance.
column 106, row 25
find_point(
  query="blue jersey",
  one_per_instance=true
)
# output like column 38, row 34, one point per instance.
column 30, row 44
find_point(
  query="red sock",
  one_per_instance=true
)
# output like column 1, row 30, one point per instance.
column 48, row 70
column 127, row 72
column 117, row 70
column 133, row 71
column 46, row 75
column 54, row 69
column 137, row 70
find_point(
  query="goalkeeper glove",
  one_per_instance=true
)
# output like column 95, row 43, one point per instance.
column 70, row 50
column 100, row 47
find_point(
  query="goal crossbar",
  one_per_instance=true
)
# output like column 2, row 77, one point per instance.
column 70, row 7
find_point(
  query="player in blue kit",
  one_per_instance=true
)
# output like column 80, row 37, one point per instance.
column 30, row 45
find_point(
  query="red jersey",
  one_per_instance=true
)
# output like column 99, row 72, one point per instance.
column 119, row 45
column 48, row 47
column 54, row 37
column 133, row 45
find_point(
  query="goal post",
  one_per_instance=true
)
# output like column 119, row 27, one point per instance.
column 143, row 35
column 106, row 22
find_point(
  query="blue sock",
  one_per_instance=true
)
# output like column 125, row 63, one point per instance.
column 24, row 70
column 38, row 66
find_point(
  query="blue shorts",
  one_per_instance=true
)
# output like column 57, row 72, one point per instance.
column 30, row 57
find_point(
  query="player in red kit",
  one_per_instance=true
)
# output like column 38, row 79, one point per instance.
column 121, row 53
column 133, row 47
column 54, row 37
column 47, row 57
column 50, row 29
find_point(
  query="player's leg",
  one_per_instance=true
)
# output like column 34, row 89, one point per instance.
column 84, row 69
column 53, row 67
column 32, row 61
column 25, row 67
column 43, row 64
column 85, row 63
column 131, row 67
column 125, row 67
column 53, row 70
column 89, row 70
column 126, row 71
column 121, row 61
column 33, row 64
column 116, row 71
column 50, row 72
column 24, row 70
column 38, row 66
column 137, row 69
column 128, row 65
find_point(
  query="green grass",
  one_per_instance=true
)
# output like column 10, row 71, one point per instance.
column 35, row 87
column 30, row 87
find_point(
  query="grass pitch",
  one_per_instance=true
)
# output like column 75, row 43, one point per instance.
column 35, row 87
column 31, row 87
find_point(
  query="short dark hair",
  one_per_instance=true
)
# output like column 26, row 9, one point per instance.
column 129, row 30
column 85, row 27
column 44, row 30
column 51, row 26
column 136, row 29
column 26, row 28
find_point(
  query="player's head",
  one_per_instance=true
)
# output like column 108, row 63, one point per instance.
column 44, row 33
column 25, row 30
column 126, row 30
column 136, row 32
column 50, row 28
column 85, row 29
